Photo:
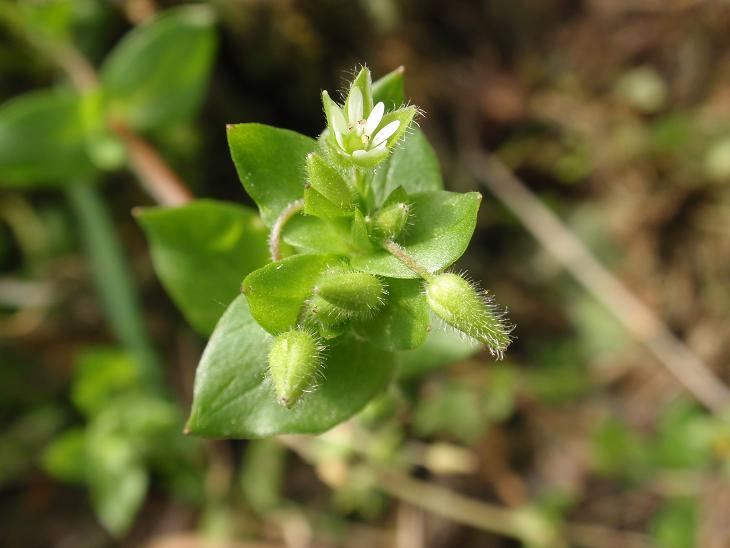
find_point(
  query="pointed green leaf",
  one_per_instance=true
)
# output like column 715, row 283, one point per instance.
column 277, row 292
column 389, row 89
column 309, row 234
column 359, row 235
column 233, row 396
column 413, row 166
column 442, row 226
column 201, row 251
column 117, row 479
column 317, row 205
column 42, row 139
column 64, row 457
column 271, row 165
column 328, row 182
column 158, row 73
column 403, row 322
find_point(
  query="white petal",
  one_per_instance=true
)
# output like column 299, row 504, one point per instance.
column 338, row 121
column 354, row 105
column 376, row 115
column 386, row 132
column 361, row 154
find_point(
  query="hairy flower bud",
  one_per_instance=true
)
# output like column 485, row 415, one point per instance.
column 356, row 294
column 462, row 306
column 294, row 360
column 390, row 222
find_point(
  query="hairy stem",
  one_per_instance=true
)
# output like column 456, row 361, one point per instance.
column 113, row 279
column 276, row 231
column 402, row 255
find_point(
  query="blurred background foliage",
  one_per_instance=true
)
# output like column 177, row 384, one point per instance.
column 615, row 113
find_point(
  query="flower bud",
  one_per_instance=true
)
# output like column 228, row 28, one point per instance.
column 356, row 294
column 390, row 222
column 294, row 360
column 327, row 313
column 462, row 306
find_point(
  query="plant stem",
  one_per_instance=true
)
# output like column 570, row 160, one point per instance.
column 153, row 173
column 113, row 279
column 275, row 237
column 402, row 255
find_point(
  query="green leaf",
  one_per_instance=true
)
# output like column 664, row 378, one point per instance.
column 444, row 346
column 442, row 226
column 326, row 194
column 317, row 205
column 42, row 139
column 413, row 166
column 403, row 322
column 277, row 291
column 685, row 437
column 64, row 458
column 118, row 481
column 101, row 374
column 389, row 89
column 233, row 396
column 314, row 235
column 263, row 474
column 201, row 252
column 675, row 524
column 271, row 165
column 158, row 73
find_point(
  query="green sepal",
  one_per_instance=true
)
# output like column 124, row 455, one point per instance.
column 330, row 107
column 363, row 81
column 398, row 194
column 405, row 115
column 359, row 234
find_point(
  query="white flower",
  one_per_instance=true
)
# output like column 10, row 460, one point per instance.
column 357, row 136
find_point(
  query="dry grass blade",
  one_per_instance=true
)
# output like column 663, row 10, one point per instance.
column 643, row 324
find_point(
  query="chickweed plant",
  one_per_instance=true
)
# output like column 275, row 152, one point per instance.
column 359, row 235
